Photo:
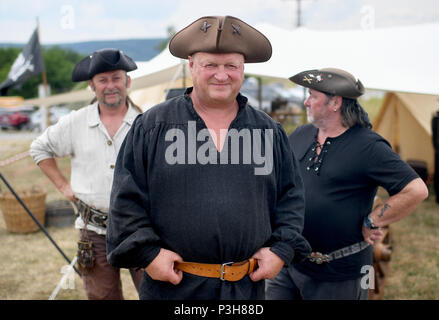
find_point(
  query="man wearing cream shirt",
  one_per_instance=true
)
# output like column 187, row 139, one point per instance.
column 92, row 137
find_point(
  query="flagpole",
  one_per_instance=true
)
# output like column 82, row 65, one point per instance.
column 46, row 109
column 39, row 43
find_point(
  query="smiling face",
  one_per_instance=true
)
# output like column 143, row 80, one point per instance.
column 217, row 77
column 111, row 88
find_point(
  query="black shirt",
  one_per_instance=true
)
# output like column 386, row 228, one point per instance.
column 339, row 193
column 208, row 213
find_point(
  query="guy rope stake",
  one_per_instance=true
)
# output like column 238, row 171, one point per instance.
column 37, row 222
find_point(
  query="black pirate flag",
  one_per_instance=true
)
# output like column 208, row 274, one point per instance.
column 28, row 63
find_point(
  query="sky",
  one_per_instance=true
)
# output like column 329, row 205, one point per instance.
column 87, row 20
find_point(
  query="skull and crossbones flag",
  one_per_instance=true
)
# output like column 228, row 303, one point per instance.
column 28, row 63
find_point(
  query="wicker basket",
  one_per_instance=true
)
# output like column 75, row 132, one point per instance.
column 16, row 217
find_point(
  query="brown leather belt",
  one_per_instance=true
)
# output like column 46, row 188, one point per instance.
column 91, row 215
column 229, row 271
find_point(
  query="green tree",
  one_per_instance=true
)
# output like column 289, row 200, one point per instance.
column 59, row 66
column 7, row 58
column 164, row 43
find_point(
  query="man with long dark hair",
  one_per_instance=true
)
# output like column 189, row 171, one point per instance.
column 342, row 162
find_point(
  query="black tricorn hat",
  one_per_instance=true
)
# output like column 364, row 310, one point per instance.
column 330, row 80
column 102, row 61
column 221, row 34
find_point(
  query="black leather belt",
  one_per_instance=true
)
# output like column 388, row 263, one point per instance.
column 319, row 258
column 91, row 215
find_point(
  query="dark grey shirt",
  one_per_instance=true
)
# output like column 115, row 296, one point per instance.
column 165, row 197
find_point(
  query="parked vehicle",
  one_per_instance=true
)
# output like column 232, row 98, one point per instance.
column 56, row 112
column 13, row 119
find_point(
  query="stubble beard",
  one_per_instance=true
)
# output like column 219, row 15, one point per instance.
column 309, row 117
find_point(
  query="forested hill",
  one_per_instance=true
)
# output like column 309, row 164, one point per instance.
column 137, row 49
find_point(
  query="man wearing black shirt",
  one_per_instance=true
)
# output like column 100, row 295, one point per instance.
column 207, row 196
column 342, row 162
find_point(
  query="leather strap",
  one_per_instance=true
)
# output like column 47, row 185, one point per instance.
column 227, row 271
column 319, row 258
column 350, row 250
column 91, row 215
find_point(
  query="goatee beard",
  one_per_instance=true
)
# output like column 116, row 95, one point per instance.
column 112, row 105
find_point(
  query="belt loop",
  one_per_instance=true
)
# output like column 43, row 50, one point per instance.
column 251, row 265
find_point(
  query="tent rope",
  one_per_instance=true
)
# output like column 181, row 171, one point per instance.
column 63, row 279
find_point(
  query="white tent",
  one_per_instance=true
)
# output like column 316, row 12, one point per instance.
column 400, row 59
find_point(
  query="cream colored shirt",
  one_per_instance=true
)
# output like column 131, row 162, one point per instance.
column 82, row 136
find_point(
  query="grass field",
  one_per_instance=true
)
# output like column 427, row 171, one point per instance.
column 30, row 266
column 414, row 268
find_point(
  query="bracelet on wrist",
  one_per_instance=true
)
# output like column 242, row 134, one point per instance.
column 369, row 224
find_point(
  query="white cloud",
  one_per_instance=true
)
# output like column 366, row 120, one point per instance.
column 111, row 19
column 17, row 31
column 90, row 11
column 336, row 14
column 390, row 13
column 253, row 12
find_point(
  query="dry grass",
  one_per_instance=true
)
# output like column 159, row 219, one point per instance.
column 414, row 268
column 30, row 266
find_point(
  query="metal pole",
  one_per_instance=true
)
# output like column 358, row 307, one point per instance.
column 184, row 73
column 298, row 13
column 39, row 43
column 37, row 222
column 260, row 92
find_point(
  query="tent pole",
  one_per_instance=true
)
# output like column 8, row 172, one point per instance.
column 260, row 92
column 396, row 130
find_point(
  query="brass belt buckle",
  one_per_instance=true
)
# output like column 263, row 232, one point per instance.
column 318, row 257
column 222, row 270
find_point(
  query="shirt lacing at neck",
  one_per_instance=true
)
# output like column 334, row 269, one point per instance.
column 315, row 159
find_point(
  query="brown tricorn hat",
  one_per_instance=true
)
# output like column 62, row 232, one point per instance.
column 221, row 34
column 330, row 80
column 102, row 61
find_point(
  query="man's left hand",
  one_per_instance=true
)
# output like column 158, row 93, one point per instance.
column 269, row 265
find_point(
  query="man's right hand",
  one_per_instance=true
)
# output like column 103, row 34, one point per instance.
column 66, row 190
column 162, row 267
column 51, row 170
